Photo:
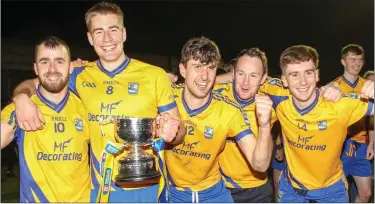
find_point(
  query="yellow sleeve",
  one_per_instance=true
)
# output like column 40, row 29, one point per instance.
column 164, row 95
column 8, row 115
column 272, row 86
column 239, row 125
column 351, row 108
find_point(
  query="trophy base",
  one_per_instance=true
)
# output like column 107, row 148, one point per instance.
column 144, row 179
column 139, row 181
column 141, row 171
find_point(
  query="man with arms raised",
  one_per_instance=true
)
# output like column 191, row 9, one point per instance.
column 115, row 86
column 210, row 118
column 313, row 130
column 54, row 163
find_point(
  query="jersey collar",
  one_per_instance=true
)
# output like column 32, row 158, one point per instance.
column 56, row 107
column 196, row 111
column 116, row 71
column 353, row 85
column 243, row 103
column 309, row 107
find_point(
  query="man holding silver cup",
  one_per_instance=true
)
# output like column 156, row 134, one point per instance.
column 193, row 168
column 113, row 87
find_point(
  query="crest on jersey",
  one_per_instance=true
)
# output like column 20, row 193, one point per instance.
column 208, row 132
column 133, row 88
column 79, row 124
column 276, row 82
column 322, row 125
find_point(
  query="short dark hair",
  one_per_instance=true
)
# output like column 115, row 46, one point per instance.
column 254, row 52
column 51, row 42
column 103, row 8
column 352, row 48
column 202, row 49
column 297, row 54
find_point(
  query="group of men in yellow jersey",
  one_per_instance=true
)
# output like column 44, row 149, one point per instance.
column 218, row 142
column 114, row 86
column 249, row 78
column 358, row 149
column 211, row 118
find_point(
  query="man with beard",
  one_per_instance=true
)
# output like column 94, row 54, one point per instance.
column 210, row 118
column 115, row 86
column 359, row 147
column 313, row 129
column 54, row 163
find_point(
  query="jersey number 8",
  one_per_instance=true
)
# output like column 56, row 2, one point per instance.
column 109, row 90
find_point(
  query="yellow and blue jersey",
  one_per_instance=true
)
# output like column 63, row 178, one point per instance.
column 357, row 131
column 134, row 89
column 194, row 164
column 54, row 163
column 313, row 137
column 236, row 170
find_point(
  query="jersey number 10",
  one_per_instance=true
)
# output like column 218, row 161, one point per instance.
column 59, row 127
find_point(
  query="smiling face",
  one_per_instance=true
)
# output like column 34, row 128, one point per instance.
column 107, row 35
column 199, row 77
column 248, row 76
column 299, row 66
column 353, row 63
column 53, row 67
column 301, row 79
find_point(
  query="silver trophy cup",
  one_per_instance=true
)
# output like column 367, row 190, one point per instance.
column 138, row 165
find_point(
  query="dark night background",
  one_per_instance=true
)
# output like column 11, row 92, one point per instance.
column 162, row 27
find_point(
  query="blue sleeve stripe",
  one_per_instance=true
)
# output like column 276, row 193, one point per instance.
column 369, row 108
column 73, row 79
column 29, row 184
column 11, row 118
column 167, row 107
column 277, row 100
column 242, row 134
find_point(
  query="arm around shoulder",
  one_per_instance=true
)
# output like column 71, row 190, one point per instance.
column 27, row 87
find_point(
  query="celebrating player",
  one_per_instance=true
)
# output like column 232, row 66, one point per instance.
column 359, row 147
column 115, row 86
column 249, row 76
column 54, row 165
column 313, row 130
column 211, row 118
column 245, row 183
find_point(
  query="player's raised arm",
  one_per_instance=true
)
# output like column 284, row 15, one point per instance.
column 258, row 151
column 29, row 117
